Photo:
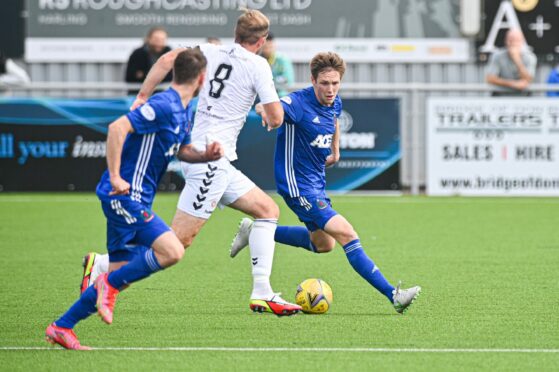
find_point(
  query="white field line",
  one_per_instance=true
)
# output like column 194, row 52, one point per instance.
column 294, row 349
column 345, row 198
column 4, row 199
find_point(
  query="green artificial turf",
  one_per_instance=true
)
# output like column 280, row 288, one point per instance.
column 488, row 268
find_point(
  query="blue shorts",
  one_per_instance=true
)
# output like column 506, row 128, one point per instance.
column 131, row 228
column 313, row 210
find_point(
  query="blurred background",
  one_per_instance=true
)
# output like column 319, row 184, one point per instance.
column 434, row 100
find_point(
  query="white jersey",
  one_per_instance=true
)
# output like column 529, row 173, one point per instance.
column 233, row 79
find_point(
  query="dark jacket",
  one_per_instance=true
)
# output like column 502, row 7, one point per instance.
column 139, row 64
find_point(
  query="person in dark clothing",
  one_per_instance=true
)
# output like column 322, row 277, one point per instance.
column 141, row 59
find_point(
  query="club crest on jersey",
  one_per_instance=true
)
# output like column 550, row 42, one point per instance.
column 147, row 112
column 322, row 141
column 147, row 215
column 321, row 204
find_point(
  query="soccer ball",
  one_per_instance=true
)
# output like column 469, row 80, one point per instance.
column 314, row 296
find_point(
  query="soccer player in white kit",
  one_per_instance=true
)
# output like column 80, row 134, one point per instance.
column 235, row 76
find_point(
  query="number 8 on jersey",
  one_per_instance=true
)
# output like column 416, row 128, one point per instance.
column 222, row 73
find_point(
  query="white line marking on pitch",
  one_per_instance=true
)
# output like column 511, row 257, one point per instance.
column 301, row 349
column 347, row 199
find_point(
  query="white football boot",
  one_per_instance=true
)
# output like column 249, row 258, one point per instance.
column 403, row 298
column 240, row 240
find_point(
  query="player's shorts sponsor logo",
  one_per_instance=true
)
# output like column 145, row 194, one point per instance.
column 147, row 112
column 147, row 215
column 321, row 203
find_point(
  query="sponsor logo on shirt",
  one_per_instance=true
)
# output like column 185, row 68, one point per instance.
column 322, row 141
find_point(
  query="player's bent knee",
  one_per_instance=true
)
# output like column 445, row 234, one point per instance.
column 168, row 249
column 173, row 254
column 176, row 254
column 271, row 210
column 186, row 240
column 274, row 211
column 326, row 247
column 347, row 236
column 268, row 210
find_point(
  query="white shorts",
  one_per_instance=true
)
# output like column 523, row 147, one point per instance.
column 208, row 185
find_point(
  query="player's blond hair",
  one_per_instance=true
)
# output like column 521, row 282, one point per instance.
column 327, row 61
column 251, row 26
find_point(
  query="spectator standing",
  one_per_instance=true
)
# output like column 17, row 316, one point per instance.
column 282, row 68
column 141, row 59
column 512, row 69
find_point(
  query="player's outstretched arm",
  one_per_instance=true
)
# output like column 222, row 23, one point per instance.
column 334, row 157
column 155, row 76
column 187, row 153
column 118, row 130
column 272, row 114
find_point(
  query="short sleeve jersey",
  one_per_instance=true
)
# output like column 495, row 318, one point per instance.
column 501, row 65
column 303, row 144
column 160, row 126
column 234, row 78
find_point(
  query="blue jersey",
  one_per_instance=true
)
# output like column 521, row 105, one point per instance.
column 161, row 126
column 303, row 143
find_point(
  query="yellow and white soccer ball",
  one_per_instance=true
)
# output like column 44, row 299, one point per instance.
column 314, row 296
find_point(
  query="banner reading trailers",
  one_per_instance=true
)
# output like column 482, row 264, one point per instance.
column 492, row 146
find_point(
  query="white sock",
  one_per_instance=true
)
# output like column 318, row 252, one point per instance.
column 100, row 266
column 262, row 244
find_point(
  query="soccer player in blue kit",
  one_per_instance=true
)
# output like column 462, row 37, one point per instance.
column 307, row 143
column 140, row 145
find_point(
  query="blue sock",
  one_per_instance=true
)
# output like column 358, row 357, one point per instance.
column 296, row 236
column 367, row 268
column 80, row 310
column 141, row 266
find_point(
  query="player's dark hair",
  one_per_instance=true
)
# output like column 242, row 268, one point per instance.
column 188, row 65
column 327, row 61
column 251, row 26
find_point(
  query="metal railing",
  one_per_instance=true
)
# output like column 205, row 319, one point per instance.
column 413, row 99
